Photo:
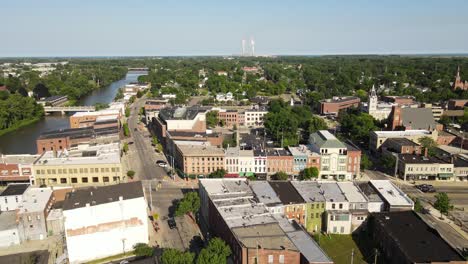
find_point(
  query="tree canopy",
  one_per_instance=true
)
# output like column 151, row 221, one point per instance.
column 175, row 256
column 216, row 252
column 219, row 173
column 442, row 203
column 280, row 176
column 189, row 204
column 309, row 173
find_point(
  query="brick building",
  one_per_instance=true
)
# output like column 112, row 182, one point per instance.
column 198, row 159
column 400, row 100
column 17, row 168
column 294, row 204
column 230, row 210
column 229, row 117
column 334, row 105
column 401, row 145
column 459, row 84
column 279, row 160
column 457, row 104
column 87, row 119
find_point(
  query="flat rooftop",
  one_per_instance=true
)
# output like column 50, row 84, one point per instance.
column 182, row 113
column 341, row 99
column 406, row 133
column 286, row 192
column 419, row 159
column 264, row 193
column 194, row 150
column 98, row 154
column 102, row 195
column 332, row 192
column 351, row 192
column 98, row 113
column 8, row 220
column 401, row 142
column 35, row 200
column 19, row 159
column 266, row 236
column 226, row 186
column 391, row 194
column 369, row 192
column 419, row 242
column 15, row 189
column 309, row 190
column 70, row 132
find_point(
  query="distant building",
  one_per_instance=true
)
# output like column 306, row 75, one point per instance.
column 221, row 97
column 279, row 160
column 334, row 105
column 181, row 119
column 378, row 111
column 87, row 119
column 402, row 146
column 459, row 84
column 400, row 100
column 403, row 237
column 378, row 138
column 333, row 155
column 294, row 204
column 56, row 100
column 457, row 104
column 312, row 194
column 105, row 221
column 413, row 119
column 417, row 167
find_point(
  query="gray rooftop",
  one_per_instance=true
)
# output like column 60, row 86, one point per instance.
column 332, row 192
column 7, row 220
column 265, row 194
column 324, row 139
column 309, row 190
column 418, row 118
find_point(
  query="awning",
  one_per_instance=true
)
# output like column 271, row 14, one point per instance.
column 445, row 175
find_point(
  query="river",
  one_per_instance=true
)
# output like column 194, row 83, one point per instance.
column 23, row 140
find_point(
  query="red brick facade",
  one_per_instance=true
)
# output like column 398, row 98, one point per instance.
column 333, row 106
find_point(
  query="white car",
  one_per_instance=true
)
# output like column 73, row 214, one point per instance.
column 161, row 163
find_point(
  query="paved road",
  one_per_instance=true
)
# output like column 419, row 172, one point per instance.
column 143, row 157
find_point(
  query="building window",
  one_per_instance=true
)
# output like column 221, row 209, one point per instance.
column 105, row 179
column 340, row 206
column 342, row 230
column 281, row 258
column 84, row 180
column 270, row 258
column 63, row 180
column 16, row 198
column 333, row 206
column 6, row 200
column 95, row 179
column 74, row 180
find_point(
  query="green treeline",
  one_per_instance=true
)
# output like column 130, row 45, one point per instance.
column 16, row 110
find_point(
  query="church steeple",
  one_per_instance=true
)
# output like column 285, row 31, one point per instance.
column 373, row 100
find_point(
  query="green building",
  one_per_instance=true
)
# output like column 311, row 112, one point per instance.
column 315, row 204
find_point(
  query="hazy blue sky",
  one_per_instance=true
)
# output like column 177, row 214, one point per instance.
column 178, row 27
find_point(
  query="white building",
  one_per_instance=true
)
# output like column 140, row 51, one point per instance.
column 254, row 117
column 357, row 203
column 9, row 234
column 333, row 155
column 338, row 218
column 105, row 221
column 394, row 198
column 221, row 97
column 378, row 110
column 12, row 197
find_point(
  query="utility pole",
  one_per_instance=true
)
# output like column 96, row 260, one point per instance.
column 352, row 256
column 151, row 196
column 375, row 256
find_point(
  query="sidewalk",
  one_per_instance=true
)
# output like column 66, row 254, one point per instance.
column 436, row 214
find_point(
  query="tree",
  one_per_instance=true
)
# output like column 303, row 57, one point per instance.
column 125, row 147
column 428, row 144
column 139, row 94
column 357, row 125
column 189, row 204
column 280, row 176
column 442, row 203
column 126, row 130
column 130, row 174
column 127, row 111
column 418, row 206
column 175, row 256
column 216, row 252
column 132, row 99
column 219, row 173
column 388, row 162
column 40, row 91
column 366, row 163
column 100, row 106
column 309, row 173
column 142, row 250
column 212, row 119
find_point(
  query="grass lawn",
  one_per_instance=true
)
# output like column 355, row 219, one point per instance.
column 112, row 258
column 339, row 248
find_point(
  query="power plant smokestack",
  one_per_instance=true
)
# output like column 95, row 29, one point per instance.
column 252, row 46
column 243, row 47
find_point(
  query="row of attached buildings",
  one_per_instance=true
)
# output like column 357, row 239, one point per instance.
column 96, row 222
column 333, row 158
column 270, row 221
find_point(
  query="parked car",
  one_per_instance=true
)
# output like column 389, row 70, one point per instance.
column 426, row 188
column 172, row 223
column 161, row 163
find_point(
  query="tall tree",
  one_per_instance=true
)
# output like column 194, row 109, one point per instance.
column 216, row 252
column 175, row 256
column 442, row 203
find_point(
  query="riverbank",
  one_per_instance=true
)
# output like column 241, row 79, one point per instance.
column 19, row 125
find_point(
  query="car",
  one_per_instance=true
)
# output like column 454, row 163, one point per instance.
column 172, row 223
column 161, row 163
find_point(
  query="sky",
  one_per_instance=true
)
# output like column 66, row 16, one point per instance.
column 202, row 27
